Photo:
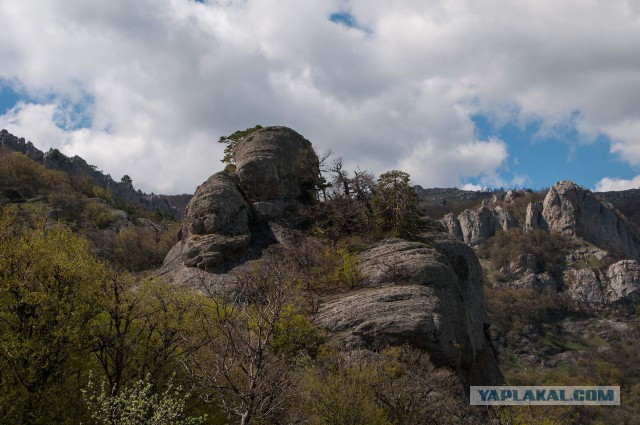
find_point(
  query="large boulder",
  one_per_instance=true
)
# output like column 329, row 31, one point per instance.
column 624, row 281
column 235, row 215
column 576, row 212
column 216, row 223
column 276, row 163
column 425, row 294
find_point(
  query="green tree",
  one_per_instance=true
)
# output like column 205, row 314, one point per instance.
column 140, row 328
column 47, row 286
column 395, row 204
column 254, row 339
column 232, row 141
column 126, row 179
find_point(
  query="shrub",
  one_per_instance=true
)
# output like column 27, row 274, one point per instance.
column 138, row 404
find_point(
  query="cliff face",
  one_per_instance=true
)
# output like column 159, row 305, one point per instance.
column 475, row 227
column 426, row 294
column 602, row 235
column 573, row 211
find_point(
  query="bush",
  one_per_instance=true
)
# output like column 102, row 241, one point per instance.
column 138, row 404
column 98, row 215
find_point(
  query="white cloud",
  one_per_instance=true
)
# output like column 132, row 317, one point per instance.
column 164, row 79
column 473, row 187
column 609, row 184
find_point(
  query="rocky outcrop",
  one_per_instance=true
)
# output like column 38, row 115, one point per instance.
column 525, row 272
column 576, row 212
column 475, row 227
column 216, row 223
column 12, row 143
column 232, row 215
column 276, row 163
column 624, row 281
column 593, row 288
column 511, row 196
column 428, row 295
column 533, row 217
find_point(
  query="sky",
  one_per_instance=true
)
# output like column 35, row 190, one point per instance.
column 465, row 93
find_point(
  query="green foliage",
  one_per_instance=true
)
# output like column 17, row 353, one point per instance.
column 143, row 247
column 336, row 268
column 140, row 327
column 126, row 179
column 395, row 205
column 22, row 178
column 104, row 194
column 138, row 404
column 98, row 215
column 232, row 141
column 46, row 290
column 339, row 391
column 398, row 386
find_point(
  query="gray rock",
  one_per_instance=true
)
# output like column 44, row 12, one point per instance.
column 624, row 281
column 428, row 295
column 592, row 288
column 475, row 227
column 272, row 210
column 216, row 223
column 585, row 287
column 522, row 264
column 576, row 212
column 533, row 218
column 511, row 196
column 537, row 281
column 231, row 215
column 452, row 224
column 276, row 163
column 586, row 255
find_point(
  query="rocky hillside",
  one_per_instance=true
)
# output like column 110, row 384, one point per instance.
column 122, row 191
column 563, row 286
column 426, row 293
column 59, row 190
column 600, row 235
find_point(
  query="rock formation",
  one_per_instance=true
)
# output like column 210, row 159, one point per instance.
column 275, row 164
column 575, row 212
column 475, row 227
column 276, row 172
column 533, row 218
column 428, row 295
column 216, row 223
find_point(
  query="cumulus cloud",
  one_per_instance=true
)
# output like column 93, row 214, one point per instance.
column 609, row 184
column 147, row 87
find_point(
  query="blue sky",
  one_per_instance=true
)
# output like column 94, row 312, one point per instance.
column 543, row 160
column 490, row 93
column 8, row 98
